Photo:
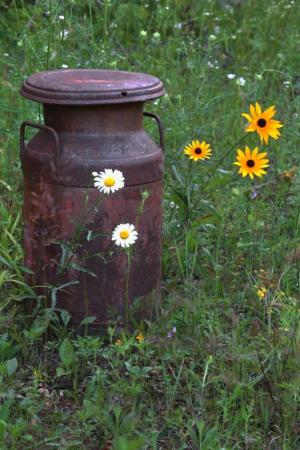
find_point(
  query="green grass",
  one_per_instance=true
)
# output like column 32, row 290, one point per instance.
column 229, row 377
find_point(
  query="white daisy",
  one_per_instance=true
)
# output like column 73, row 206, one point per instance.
column 108, row 181
column 124, row 235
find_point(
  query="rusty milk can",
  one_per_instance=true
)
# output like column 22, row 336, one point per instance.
column 93, row 121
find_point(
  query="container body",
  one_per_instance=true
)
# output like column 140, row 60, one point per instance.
column 68, row 223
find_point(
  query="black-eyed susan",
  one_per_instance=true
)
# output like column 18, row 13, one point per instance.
column 262, row 122
column 251, row 163
column 198, row 150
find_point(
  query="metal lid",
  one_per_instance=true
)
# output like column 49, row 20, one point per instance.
column 91, row 87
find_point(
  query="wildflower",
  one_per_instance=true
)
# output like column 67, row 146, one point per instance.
column 253, row 194
column 231, row 76
column 143, row 33
column 251, row 163
column 37, row 374
column 262, row 122
column 109, row 180
column 124, row 235
column 198, row 150
column 64, row 34
column 288, row 175
column 172, row 332
column 64, row 66
column 118, row 342
column 140, row 338
column 213, row 64
column 156, row 35
column 178, row 26
column 62, row 17
column 261, row 293
column 241, row 81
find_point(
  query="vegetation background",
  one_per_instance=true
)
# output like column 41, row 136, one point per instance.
column 227, row 376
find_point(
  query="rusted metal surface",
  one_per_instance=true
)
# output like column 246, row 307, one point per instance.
column 58, row 163
column 50, row 213
column 88, row 87
column 110, row 135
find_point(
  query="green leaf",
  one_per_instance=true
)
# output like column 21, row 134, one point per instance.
column 66, row 353
column 60, row 372
column 5, row 262
column 179, row 197
column 11, row 365
column 65, row 317
column 60, row 288
column 88, row 320
column 178, row 176
column 123, row 443
column 38, row 328
column 220, row 181
column 26, row 270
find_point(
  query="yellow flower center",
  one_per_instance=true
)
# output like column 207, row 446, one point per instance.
column 261, row 123
column 124, row 234
column 109, row 181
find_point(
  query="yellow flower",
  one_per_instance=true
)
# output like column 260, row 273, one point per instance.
column 118, row 342
column 261, row 293
column 140, row 338
column 262, row 122
column 198, row 150
column 251, row 163
column 288, row 175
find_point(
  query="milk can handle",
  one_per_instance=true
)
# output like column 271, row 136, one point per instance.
column 39, row 126
column 160, row 128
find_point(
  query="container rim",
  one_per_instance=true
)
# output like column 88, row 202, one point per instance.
column 91, row 87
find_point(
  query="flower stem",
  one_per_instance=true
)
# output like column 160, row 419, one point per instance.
column 226, row 154
column 221, row 160
column 189, row 189
column 127, row 290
